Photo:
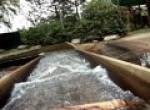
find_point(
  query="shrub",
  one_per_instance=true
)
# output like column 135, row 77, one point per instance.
column 104, row 18
column 99, row 19
column 44, row 34
column 35, row 35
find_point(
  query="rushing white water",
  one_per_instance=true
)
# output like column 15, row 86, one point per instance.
column 145, row 59
column 64, row 78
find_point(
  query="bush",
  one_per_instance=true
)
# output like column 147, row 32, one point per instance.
column 35, row 35
column 99, row 19
column 104, row 18
column 45, row 34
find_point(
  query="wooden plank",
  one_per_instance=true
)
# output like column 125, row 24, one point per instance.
column 7, row 82
column 108, row 105
column 30, row 52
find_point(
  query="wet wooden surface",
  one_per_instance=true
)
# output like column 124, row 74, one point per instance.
column 109, row 105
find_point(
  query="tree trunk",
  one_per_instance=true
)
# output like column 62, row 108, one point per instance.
column 61, row 19
column 77, row 10
column 56, row 12
column 129, row 19
column 148, row 6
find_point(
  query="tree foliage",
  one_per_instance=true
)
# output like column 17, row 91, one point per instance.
column 58, row 9
column 104, row 17
column 99, row 18
column 47, row 33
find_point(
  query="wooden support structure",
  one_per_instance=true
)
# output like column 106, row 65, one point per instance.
column 108, row 105
column 7, row 82
column 30, row 52
column 133, row 77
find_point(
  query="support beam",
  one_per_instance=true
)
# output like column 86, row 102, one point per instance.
column 134, row 77
column 108, row 105
column 30, row 52
column 7, row 82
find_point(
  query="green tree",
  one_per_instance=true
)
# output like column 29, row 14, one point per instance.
column 99, row 18
column 56, row 9
column 104, row 17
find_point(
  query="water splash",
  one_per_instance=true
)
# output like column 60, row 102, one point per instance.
column 145, row 59
column 64, row 78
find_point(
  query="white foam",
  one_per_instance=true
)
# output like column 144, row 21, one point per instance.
column 145, row 59
column 65, row 78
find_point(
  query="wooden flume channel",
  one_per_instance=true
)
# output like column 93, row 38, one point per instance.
column 134, row 77
column 7, row 82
